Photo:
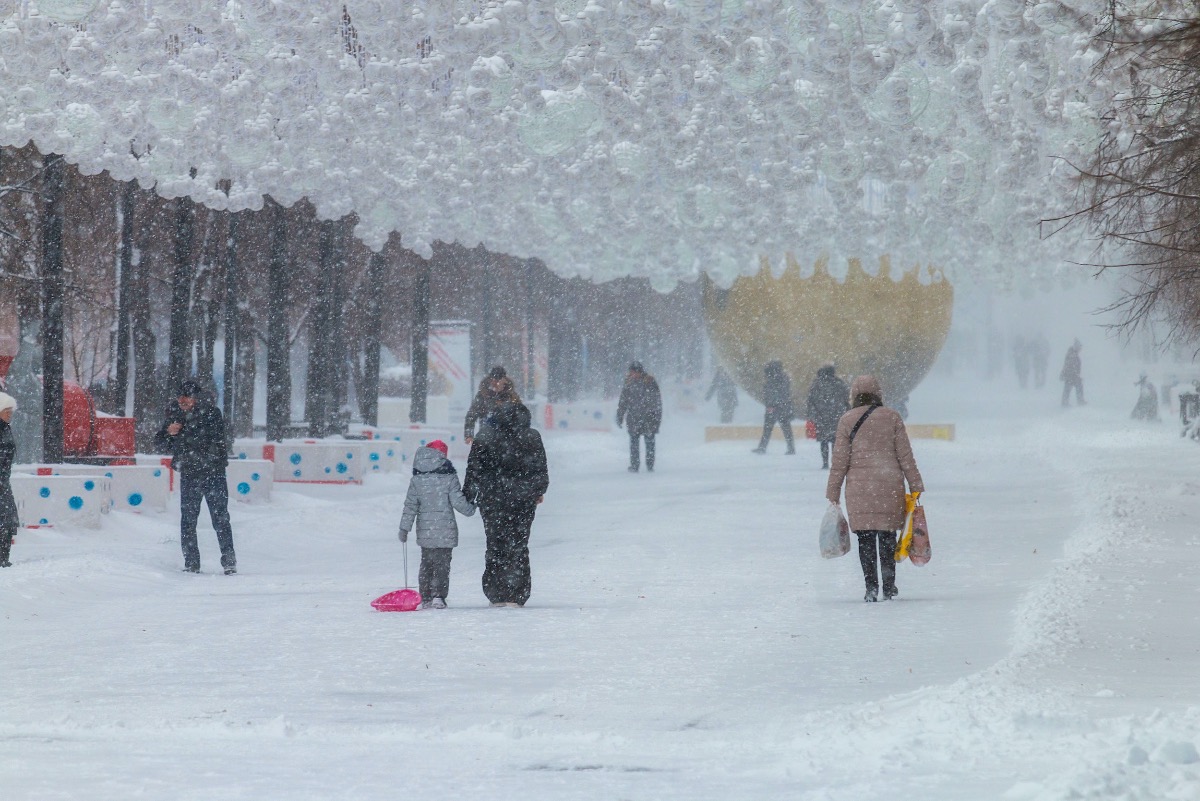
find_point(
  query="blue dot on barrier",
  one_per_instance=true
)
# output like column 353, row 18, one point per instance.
column 108, row 475
column 241, row 456
column 349, row 455
column 341, row 467
column 44, row 492
column 76, row 502
column 296, row 473
column 43, row 522
column 254, row 476
column 295, row 457
column 158, row 473
column 327, row 470
column 374, row 457
column 89, row 485
column 243, row 488
column 135, row 499
column 391, row 452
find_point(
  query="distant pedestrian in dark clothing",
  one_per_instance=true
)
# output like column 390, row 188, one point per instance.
column 1039, row 356
column 777, row 397
column 1072, row 374
column 726, row 391
column 495, row 390
column 9, row 522
column 433, row 497
column 507, row 478
column 828, row 400
column 1146, row 407
column 640, row 411
column 194, row 434
column 1022, row 359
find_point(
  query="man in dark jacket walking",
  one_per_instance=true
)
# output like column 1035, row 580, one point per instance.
column 1072, row 374
column 777, row 397
column 507, row 478
column 640, row 410
column 194, row 435
column 9, row 522
column 726, row 391
column 828, row 400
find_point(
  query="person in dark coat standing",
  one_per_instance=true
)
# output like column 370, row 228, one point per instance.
column 873, row 456
column 9, row 522
column 726, row 391
column 507, row 478
column 640, row 411
column 194, row 435
column 495, row 390
column 777, row 397
column 828, row 400
column 1072, row 374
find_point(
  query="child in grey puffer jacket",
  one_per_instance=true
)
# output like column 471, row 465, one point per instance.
column 433, row 495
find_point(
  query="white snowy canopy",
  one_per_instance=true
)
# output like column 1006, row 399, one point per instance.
column 608, row 138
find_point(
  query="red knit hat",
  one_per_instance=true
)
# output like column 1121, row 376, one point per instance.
column 438, row 445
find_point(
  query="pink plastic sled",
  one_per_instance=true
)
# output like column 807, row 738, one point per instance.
column 405, row 600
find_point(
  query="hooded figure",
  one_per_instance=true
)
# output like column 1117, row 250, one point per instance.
column 640, row 411
column 828, row 400
column 194, row 435
column 506, row 478
column 9, row 522
column 1072, row 374
column 872, row 455
column 433, row 496
column 777, row 398
column 495, row 390
column 726, row 391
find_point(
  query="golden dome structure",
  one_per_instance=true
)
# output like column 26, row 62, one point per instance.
column 893, row 329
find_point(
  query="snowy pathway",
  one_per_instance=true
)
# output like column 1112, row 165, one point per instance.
column 684, row 639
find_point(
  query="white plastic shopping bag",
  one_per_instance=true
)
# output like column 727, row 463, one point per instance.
column 835, row 533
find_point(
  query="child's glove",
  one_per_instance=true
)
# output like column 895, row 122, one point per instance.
column 403, row 535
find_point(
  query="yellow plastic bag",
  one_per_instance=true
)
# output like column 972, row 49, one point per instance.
column 910, row 504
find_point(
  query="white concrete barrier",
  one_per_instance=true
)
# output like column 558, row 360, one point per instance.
column 133, row 488
column 577, row 417
column 409, row 438
column 250, row 480
column 61, row 500
column 393, row 412
column 317, row 461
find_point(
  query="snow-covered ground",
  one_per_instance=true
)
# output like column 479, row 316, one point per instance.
column 684, row 639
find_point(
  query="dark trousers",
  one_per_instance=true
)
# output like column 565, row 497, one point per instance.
column 506, row 576
column 6, row 541
column 434, row 578
column 212, row 489
column 635, row 454
column 879, row 545
column 826, row 447
column 727, row 412
column 785, row 424
column 1077, row 385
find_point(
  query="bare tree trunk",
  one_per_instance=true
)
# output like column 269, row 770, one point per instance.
column 53, row 286
column 147, row 391
column 279, row 374
column 369, row 386
column 121, row 380
column 179, row 361
column 420, row 336
column 319, row 378
column 232, row 338
column 247, row 377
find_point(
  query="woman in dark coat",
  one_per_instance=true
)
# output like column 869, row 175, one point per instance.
column 828, row 400
column 872, row 454
column 507, row 478
column 8, row 504
column 777, row 397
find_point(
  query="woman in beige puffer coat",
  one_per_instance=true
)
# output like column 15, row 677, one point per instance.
column 875, row 467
